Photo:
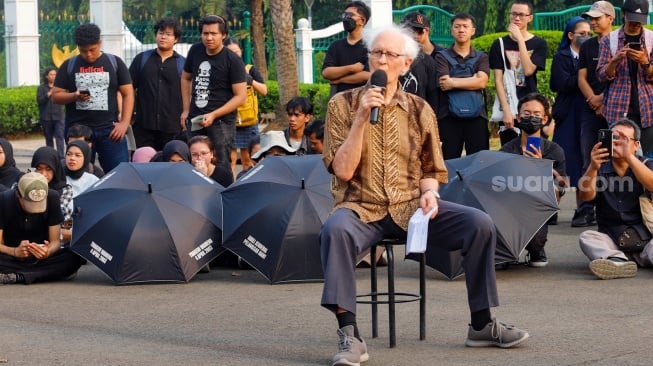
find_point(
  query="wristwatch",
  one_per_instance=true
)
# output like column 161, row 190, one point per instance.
column 435, row 193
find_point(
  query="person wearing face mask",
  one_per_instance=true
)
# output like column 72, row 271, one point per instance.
column 564, row 81
column 533, row 114
column 345, row 64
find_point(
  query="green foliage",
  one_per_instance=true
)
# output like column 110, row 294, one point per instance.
column 317, row 93
column 20, row 113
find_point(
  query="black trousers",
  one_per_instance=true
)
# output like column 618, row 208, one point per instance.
column 472, row 133
column 59, row 266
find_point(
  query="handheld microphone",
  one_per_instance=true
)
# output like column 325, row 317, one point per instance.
column 379, row 79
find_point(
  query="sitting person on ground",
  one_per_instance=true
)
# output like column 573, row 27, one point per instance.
column 143, row 154
column 30, row 223
column 300, row 113
column 46, row 161
column 9, row 174
column 622, row 242
column 174, row 151
column 315, row 133
column 273, row 143
column 357, row 153
column 203, row 155
column 84, row 133
column 253, row 147
column 533, row 114
column 77, row 158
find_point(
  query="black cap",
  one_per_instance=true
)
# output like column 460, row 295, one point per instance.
column 636, row 11
column 415, row 20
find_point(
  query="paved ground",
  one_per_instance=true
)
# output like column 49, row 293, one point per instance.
column 236, row 318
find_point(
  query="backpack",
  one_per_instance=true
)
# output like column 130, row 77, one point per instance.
column 147, row 54
column 464, row 103
column 248, row 112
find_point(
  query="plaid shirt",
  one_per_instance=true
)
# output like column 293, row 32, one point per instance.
column 617, row 93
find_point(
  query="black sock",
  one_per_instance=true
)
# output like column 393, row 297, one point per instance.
column 481, row 318
column 348, row 318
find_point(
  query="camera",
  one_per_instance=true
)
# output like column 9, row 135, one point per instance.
column 605, row 138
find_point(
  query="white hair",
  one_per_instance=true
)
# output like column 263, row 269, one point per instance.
column 411, row 47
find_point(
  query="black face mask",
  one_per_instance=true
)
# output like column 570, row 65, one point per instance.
column 530, row 124
column 349, row 24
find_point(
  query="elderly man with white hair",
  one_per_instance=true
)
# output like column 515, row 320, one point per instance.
column 383, row 173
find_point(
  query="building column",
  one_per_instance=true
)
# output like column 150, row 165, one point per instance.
column 22, row 42
column 304, row 49
column 381, row 13
column 107, row 14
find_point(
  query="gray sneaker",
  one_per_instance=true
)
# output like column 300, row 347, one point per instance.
column 7, row 278
column 351, row 351
column 496, row 334
column 607, row 269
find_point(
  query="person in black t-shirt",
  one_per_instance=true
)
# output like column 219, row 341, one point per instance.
column 30, row 247
column 345, row 64
column 601, row 15
column 213, row 86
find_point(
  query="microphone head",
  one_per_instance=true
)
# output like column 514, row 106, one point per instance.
column 379, row 79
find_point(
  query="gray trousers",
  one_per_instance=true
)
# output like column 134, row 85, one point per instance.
column 344, row 238
column 598, row 245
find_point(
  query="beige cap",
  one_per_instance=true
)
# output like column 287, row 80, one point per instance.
column 599, row 8
column 33, row 189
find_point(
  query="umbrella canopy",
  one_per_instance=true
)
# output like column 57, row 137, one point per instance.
column 272, row 217
column 516, row 191
column 149, row 222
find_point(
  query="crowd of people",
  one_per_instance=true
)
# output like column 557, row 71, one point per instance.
column 197, row 109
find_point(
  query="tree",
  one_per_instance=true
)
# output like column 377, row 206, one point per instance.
column 258, row 38
column 284, row 51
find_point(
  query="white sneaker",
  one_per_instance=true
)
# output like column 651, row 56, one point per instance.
column 351, row 350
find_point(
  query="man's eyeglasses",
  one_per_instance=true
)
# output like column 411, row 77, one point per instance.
column 518, row 15
column 616, row 137
column 388, row 54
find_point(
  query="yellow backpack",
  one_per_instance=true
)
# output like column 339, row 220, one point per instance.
column 248, row 112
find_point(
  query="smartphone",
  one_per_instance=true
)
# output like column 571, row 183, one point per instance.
column 84, row 91
column 605, row 137
column 635, row 45
column 535, row 141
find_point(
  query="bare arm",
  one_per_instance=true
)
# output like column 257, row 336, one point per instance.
column 337, row 72
column 63, row 96
column 260, row 88
column 476, row 82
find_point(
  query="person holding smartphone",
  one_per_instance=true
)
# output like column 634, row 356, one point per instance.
column 625, row 66
column 533, row 115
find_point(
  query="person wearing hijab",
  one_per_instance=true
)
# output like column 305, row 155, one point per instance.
column 46, row 162
column 143, row 154
column 77, row 157
column 9, row 174
column 176, row 151
column 564, row 81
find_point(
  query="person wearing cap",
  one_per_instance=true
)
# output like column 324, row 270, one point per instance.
column 421, row 27
column 421, row 78
column 601, row 16
column 525, row 54
column 300, row 113
column 456, row 132
column 30, row 226
column 625, row 66
column 383, row 173
column 345, row 63
column 273, row 143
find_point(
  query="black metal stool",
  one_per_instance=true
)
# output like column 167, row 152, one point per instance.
column 391, row 295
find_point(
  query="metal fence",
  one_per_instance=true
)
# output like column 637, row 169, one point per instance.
column 558, row 20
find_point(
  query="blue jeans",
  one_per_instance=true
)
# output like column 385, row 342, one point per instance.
column 110, row 153
column 223, row 136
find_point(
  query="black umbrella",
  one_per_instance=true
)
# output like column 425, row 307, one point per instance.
column 149, row 222
column 516, row 191
column 272, row 217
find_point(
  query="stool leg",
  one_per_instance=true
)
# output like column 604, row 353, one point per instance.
column 391, row 295
column 374, row 289
column 422, row 300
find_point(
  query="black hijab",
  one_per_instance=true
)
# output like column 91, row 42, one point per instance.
column 86, row 151
column 49, row 156
column 9, row 174
column 176, row 147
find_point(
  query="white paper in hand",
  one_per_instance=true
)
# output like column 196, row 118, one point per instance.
column 418, row 230
column 195, row 123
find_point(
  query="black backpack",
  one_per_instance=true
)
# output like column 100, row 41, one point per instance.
column 464, row 103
